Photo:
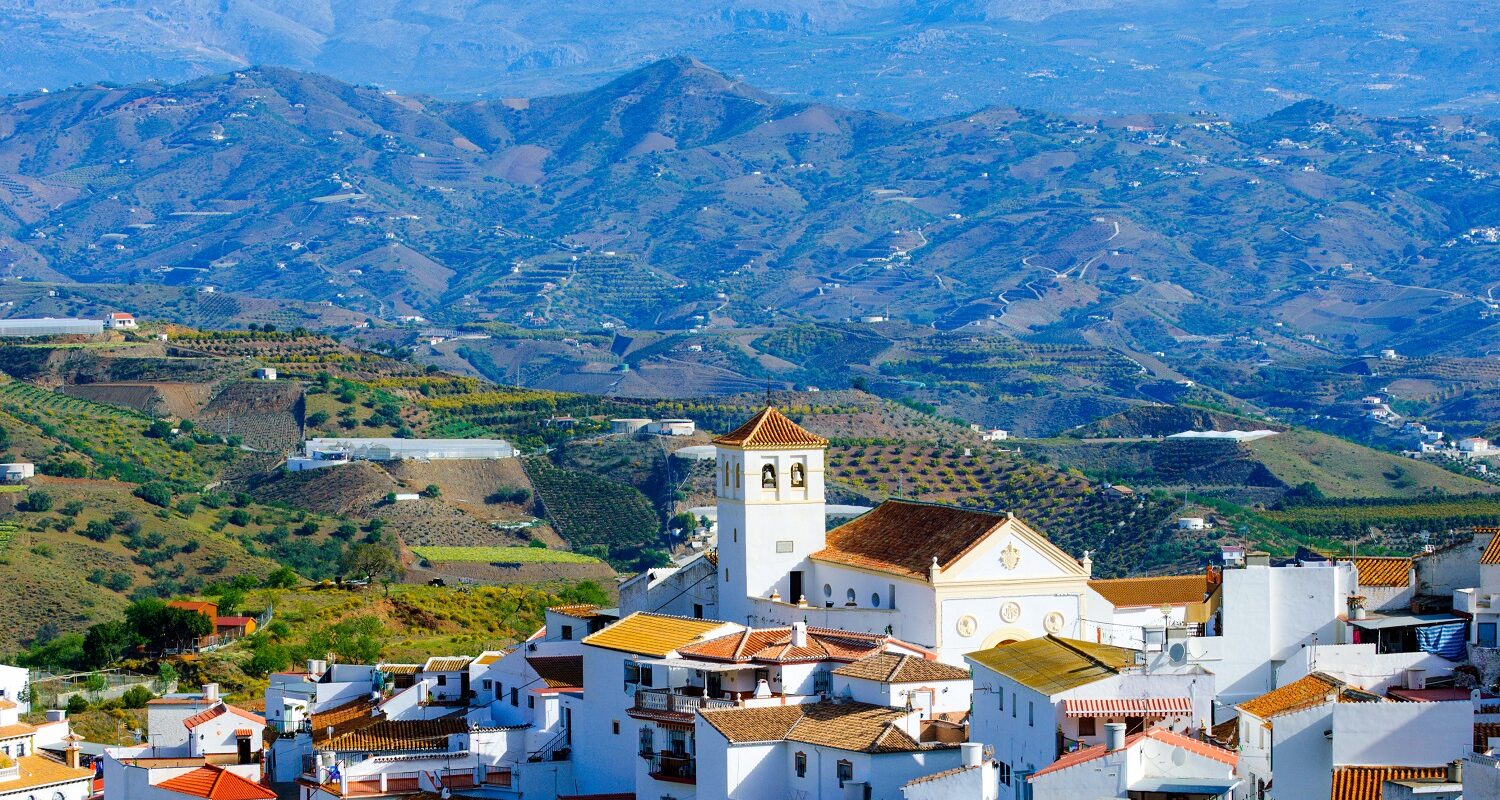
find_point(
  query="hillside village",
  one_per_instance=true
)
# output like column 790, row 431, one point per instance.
column 918, row 650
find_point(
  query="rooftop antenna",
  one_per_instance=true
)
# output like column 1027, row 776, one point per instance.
column 768, row 391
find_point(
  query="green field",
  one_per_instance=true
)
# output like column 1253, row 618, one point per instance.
column 1341, row 468
column 503, row 555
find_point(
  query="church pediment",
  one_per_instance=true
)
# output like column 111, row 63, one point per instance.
column 1012, row 551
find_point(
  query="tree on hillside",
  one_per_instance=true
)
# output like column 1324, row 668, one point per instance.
column 371, row 562
column 160, row 625
column 106, row 643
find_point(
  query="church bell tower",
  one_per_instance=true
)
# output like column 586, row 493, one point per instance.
column 771, row 512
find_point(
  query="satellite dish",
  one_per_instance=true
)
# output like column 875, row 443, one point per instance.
column 1179, row 756
column 1177, row 653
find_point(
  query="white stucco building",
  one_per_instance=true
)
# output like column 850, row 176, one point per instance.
column 1153, row 763
column 1038, row 699
column 950, row 579
column 27, row 774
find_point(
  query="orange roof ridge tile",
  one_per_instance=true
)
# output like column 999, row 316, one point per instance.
column 770, row 429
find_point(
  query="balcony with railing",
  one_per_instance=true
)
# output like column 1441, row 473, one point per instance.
column 684, row 701
column 672, row 767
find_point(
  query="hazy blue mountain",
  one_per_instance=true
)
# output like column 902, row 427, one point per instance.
column 920, row 59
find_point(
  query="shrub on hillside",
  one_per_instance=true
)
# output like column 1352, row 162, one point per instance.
column 157, row 494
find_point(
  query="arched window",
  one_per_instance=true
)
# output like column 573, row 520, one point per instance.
column 726, row 475
column 768, row 477
column 799, row 476
column 850, row 601
column 736, row 476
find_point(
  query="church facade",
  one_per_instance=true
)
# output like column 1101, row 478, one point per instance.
column 949, row 579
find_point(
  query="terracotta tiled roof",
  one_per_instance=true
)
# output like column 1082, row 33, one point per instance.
column 651, row 634
column 343, row 718
column 1375, row 571
column 577, row 610
column 38, row 771
column 895, row 668
column 1051, row 664
column 400, row 669
column 1312, row 690
column 558, row 671
column 18, row 729
column 220, row 710
column 1165, row 590
column 858, row 727
column 1162, row 735
column 1364, row 783
column 216, row 784
column 1483, row 733
column 774, row 645
column 417, row 735
column 1492, row 550
column 1226, row 734
column 937, row 776
column 903, row 537
column 488, row 657
column 770, row 429
column 446, row 664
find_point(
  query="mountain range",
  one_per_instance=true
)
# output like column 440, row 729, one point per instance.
column 674, row 192
column 919, row 59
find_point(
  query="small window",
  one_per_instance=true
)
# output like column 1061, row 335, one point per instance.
column 734, row 534
column 768, row 477
column 1031, row 713
column 1004, row 770
column 801, row 761
column 828, row 590
column 736, row 476
column 697, row 611
column 875, row 600
column 615, row 726
column 442, row 680
column 1013, row 705
column 515, row 696
column 726, row 574
column 849, row 598
column 487, row 684
column 1001, row 693
column 845, row 772
column 648, row 740
column 531, row 701
column 784, row 546
column 1086, row 726
column 799, row 476
column 567, row 633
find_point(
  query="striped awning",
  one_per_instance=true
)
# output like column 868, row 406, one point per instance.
column 1130, row 707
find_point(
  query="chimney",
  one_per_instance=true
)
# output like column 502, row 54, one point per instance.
column 70, row 754
column 799, row 634
column 973, row 753
column 1114, row 736
column 1259, row 558
column 1416, row 678
column 1455, row 771
column 211, row 692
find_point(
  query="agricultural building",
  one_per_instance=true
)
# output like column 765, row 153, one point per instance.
column 17, row 472
column 328, row 452
column 672, row 427
column 265, row 373
column 1237, row 436
column 628, row 426
column 50, row 327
